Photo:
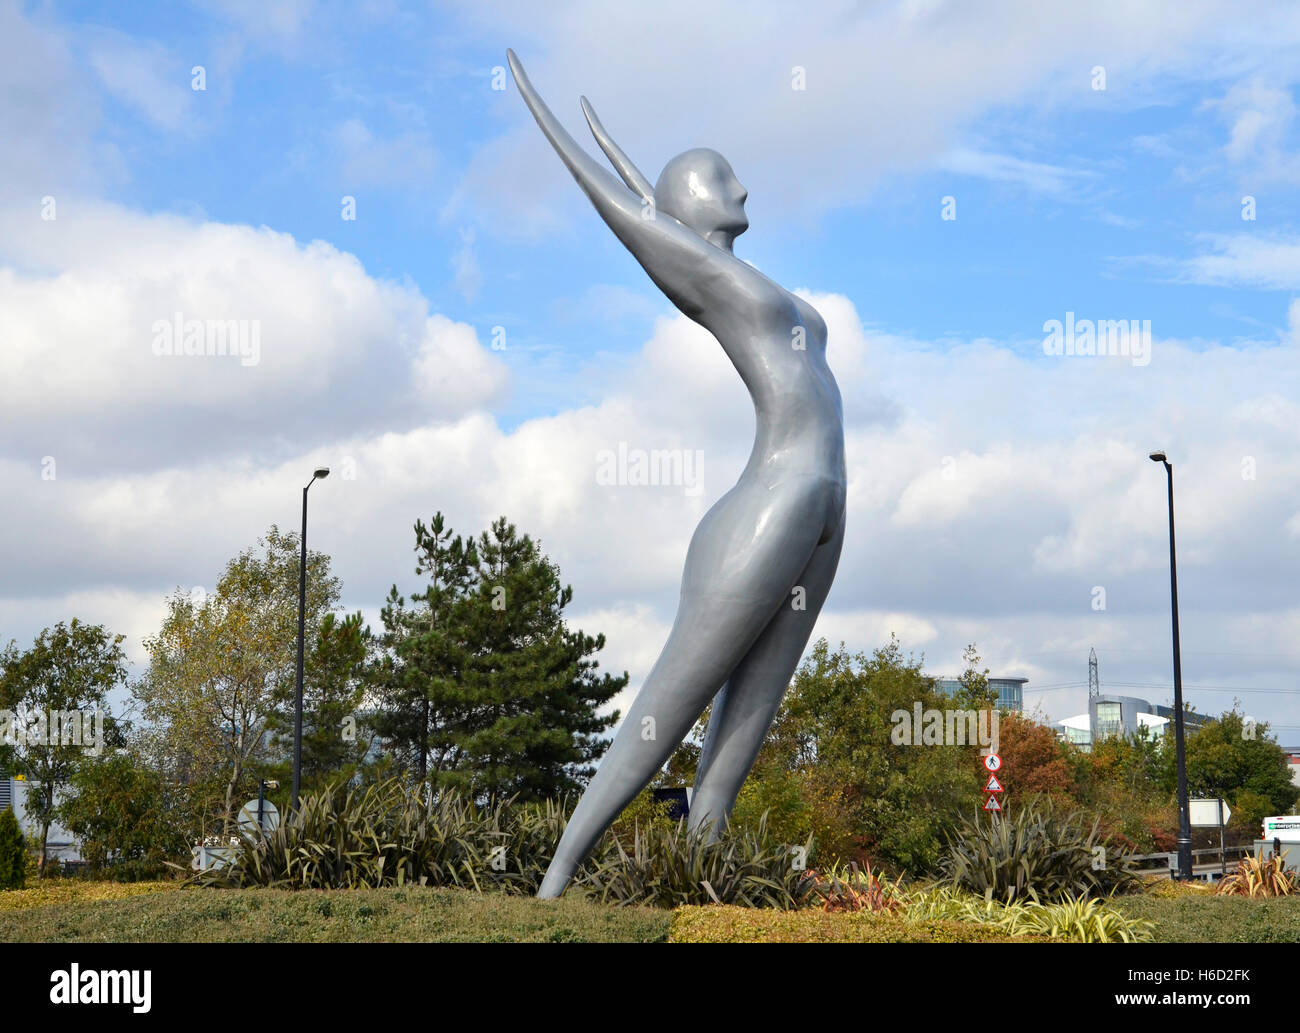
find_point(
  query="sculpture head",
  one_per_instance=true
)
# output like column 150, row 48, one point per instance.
column 699, row 188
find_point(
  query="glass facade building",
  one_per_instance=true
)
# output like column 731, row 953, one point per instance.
column 1110, row 716
column 1011, row 691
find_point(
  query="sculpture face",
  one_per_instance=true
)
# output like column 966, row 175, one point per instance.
column 700, row 189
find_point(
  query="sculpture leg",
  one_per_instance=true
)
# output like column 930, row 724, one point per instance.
column 735, row 579
column 745, row 708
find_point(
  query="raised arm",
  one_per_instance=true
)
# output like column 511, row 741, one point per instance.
column 606, row 192
column 622, row 163
column 702, row 280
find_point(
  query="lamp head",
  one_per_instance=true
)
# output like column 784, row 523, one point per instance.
column 1158, row 457
column 322, row 473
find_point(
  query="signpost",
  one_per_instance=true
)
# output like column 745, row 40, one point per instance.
column 1208, row 813
column 992, row 763
column 258, row 814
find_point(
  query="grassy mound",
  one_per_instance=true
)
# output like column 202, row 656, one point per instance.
column 408, row 915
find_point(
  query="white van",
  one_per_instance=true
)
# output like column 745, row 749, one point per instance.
column 1285, row 827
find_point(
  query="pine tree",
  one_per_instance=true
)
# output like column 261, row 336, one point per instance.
column 415, row 675
column 532, row 679
column 483, row 686
column 13, row 852
column 334, row 743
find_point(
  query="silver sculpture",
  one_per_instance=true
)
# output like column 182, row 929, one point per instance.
column 763, row 558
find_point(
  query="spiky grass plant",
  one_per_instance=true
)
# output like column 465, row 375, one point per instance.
column 853, row 888
column 670, row 866
column 392, row 834
column 1035, row 852
column 1260, row 877
column 1075, row 919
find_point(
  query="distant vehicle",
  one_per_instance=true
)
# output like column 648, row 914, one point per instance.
column 1284, row 827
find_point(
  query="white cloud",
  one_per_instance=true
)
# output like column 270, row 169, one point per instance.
column 80, row 363
column 1260, row 116
column 1037, row 176
column 1052, row 496
column 1264, row 260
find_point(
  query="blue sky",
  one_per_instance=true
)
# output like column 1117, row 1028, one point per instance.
column 1117, row 203
column 264, row 149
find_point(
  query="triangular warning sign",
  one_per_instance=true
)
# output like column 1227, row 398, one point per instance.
column 991, row 804
column 994, row 785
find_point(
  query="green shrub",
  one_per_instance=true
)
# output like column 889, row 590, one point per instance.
column 1038, row 853
column 13, row 852
column 643, row 812
column 716, row 924
column 1205, row 917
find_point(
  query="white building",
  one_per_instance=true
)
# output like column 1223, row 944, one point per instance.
column 1119, row 715
column 60, row 844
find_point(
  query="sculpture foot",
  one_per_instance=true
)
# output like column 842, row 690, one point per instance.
column 557, row 878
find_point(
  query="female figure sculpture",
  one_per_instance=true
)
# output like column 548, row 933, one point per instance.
column 763, row 558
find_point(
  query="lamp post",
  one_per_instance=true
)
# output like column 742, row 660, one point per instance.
column 1180, row 756
column 319, row 475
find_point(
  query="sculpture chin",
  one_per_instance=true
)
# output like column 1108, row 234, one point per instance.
column 733, row 230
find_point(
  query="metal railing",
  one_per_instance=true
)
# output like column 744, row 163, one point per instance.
column 1170, row 860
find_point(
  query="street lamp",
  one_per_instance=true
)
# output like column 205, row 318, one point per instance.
column 318, row 475
column 1184, row 818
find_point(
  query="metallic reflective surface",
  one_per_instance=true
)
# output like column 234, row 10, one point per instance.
column 763, row 558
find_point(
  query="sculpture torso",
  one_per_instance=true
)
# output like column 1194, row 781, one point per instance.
column 777, row 342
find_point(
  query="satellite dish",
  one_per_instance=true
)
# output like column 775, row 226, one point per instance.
column 247, row 819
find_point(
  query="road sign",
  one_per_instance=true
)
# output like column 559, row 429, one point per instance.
column 248, row 817
column 994, row 785
column 1205, row 813
column 991, row 804
column 992, row 762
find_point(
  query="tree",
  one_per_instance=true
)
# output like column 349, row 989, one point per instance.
column 1227, row 757
column 483, row 687
column 13, row 852
column 423, row 651
column 69, row 669
column 335, row 736
column 222, row 669
column 124, row 812
column 1034, row 760
column 973, row 684
column 870, row 795
column 531, row 681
